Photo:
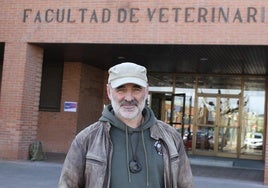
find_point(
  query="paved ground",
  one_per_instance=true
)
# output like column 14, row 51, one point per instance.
column 233, row 169
column 45, row 174
column 205, row 182
column 29, row 174
column 228, row 173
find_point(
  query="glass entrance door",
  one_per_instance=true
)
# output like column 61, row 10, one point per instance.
column 217, row 124
column 177, row 112
column 170, row 108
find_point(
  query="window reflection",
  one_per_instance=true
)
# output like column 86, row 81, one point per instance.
column 252, row 133
column 217, row 119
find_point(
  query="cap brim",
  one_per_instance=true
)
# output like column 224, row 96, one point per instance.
column 129, row 80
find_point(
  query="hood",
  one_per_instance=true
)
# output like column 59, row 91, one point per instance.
column 108, row 116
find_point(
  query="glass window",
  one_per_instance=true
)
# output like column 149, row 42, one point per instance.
column 50, row 95
column 227, row 123
column 252, row 132
column 219, row 85
column 1, row 62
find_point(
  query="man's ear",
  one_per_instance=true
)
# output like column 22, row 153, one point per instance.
column 108, row 90
column 147, row 91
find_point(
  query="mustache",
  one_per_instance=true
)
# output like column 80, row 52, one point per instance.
column 132, row 102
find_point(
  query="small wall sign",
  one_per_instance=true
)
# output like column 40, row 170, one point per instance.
column 70, row 106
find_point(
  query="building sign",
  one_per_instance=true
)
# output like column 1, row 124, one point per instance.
column 149, row 14
column 70, row 106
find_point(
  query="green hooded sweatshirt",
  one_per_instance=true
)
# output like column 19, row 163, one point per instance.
column 134, row 144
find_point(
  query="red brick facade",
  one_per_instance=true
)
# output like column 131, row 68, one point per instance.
column 126, row 22
column 83, row 84
column 20, row 92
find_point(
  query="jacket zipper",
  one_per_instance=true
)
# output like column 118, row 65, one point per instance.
column 169, row 162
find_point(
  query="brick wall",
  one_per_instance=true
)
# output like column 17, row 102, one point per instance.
column 57, row 129
column 20, row 92
column 90, row 96
column 83, row 84
column 27, row 21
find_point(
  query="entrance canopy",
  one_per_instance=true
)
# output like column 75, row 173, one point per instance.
column 164, row 60
column 193, row 59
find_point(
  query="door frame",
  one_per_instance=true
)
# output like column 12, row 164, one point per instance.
column 216, row 125
column 160, row 109
column 181, row 120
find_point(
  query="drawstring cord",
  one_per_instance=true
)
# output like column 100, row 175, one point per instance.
column 146, row 159
column 128, row 170
column 145, row 155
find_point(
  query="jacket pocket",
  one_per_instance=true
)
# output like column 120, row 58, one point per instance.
column 175, row 158
column 95, row 171
column 175, row 163
column 94, row 160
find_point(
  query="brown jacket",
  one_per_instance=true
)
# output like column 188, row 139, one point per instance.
column 88, row 162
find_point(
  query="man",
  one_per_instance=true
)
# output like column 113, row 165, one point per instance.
column 128, row 147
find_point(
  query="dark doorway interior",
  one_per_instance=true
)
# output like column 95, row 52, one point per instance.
column 2, row 46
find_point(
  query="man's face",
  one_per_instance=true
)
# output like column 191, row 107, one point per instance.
column 128, row 100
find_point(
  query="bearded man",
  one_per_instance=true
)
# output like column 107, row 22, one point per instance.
column 128, row 147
